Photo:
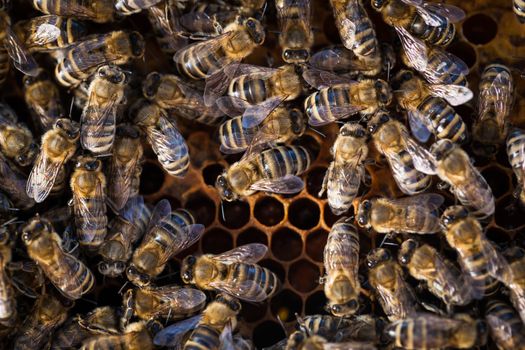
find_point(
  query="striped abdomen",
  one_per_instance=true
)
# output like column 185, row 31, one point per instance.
column 60, row 183
column 168, row 41
column 67, row 71
column 280, row 161
column 4, row 63
column 251, row 90
column 441, row 35
column 446, row 122
column 91, row 225
column 7, row 301
column 264, row 279
column 191, row 64
column 410, row 180
column 95, row 137
column 475, row 265
column 319, row 105
column 506, row 327
column 204, row 337
column 447, row 71
column 516, row 152
column 519, row 9
column 128, row 7
column 175, row 158
column 234, row 138
column 341, row 193
column 80, row 280
column 487, row 80
column 342, row 248
column 325, row 326
column 107, row 342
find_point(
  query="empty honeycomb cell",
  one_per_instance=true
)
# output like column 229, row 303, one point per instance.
column 480, row 29
column 211, row 172
column 304, row 214
column 236, row 214
column 285, row 305
column 315, row 304
column 252, row 235
column 465, row 51
column 252, row 312
column 216, row 241
column 303, row 276
column 174, row 202
column 314, row 181
column 267, row 333
column 315, row 242
column 269, row 211
column 497, row 179
column 275, row 267
column 329, row 217
column 152, row 178
column 497, row 235
column 508, row 213
column 286, row 244
column 202, row 208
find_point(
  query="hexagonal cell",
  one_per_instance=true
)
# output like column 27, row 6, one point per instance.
column 269, row 211
column 508, row 213
column 285, row 305
column 202, row 208
column 236, row 214
column 211, row 172
column 303, row 276
column 304, row 214
column 315, row 304
column 152, row 178
column 216, row 241
column 465, row 51
column 329, row 217
column 314, row 181
column 252, row 235
column 253, row 312
column 480, row 29
column 275, row 267
column 286, row 244
column 315, row 242
column 310, row 143
column 267, row 333
column 497, row 179
column 497, row 235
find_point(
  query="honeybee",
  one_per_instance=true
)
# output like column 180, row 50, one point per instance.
column 441, row 277
column 386, row 277
column 514, row 279
column 296, row 36
column 171, row 93
column 428, row 107
column 43, row 98
column 164, row 20
column 164, row 137
column 516, row 155
column 84, row 57
column 272, row 170
column 340, row 97
column 47, row 315
column 14, row 184
column 411, row 164
column 124, row 231
column 506, row 328
column 50, row 32
column 466, row 183
column 58, row 147
column 496, row 95
column 416, row 214
column 518, row 6
column 239, row 275
column 301, row 341
column 128, row 7
column 8, row 312
column 341, row 263
column 99, row 11
column 99, row 117
column 479, row 259
column 167, row 234
column 16, row 140
column 282, row 125
column 326, row 326
column 88, row 185
column 125, row 167
column 68, row 274
column 429, row 331
column 135, row 336
column 365, row 328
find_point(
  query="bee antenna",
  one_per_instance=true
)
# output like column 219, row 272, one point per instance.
column 302, row 325
column 122, row 288
column 281, row 323
column 388, row 72
column 317, row 132
column 383, row 241
column 260, row 18
column 90, row 301
column 222, row 212
column 71, row 106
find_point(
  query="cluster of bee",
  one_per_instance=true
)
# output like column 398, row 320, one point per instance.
column 54, row 251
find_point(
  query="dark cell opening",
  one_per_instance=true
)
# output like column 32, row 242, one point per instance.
column 314, row 181
column 497, row 179
column 202, row 208
column 267, row 333
column 286, row 244
column 509, row 215
column 269, row 211
column 315, row 242
column 211, row 172
column 315, row 304
column 465, row 51
column 236, row 214
column 285, row 305
column 480, row 29
column 304, row 276
column 216, row 241
column 304, row 214
column 253, row 312
column 311, row 144
column 329, row 217
column 252, row 235
column 275, row 267
column 152, row 178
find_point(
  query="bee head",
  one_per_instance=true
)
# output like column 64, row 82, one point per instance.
column 40, row 76
column 353, row 130
column 36, row 227
column 231, row 302
column 188, row 264
column 380, row 118
column 255, row 30
column 363, row 213
column 378, row 4
column 69, row 127
column 453, row 214
column 27, row 157
column 88, row 163
column 295, row 340
column 137, row 43
column 111, row 269
column 136, row 277
column 298, row 124
column 296, row 56
column 401, row 77
column 150, row 86
column 441, row 149
column 342, row 310
column 407, row 251
column 383, row 92
column 128, row 131
column 377, row 256
column 112, row 74
column 225, row 190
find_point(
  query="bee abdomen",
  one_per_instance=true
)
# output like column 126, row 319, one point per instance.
column 413, row 180
column 4, row 63
column 446, row 122
column 515, row 146
column 204, row 337
column 233, row 136
column 318, row 106
column 449, row 73
column 67, row 75
column 366, row 42
column 95, row 138
column 91, row 228
column 441, row 35
column 519, row 9
column 87, row 279
column 251, row 90
column 265, row 280
column 200, row 67
column 341, row 193
column 479, row 274
column 280, row 161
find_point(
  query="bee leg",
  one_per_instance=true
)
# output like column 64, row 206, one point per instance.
column 375, row 163
column 128, row 303
column 154, row 326
column 23, row 288
column 325, row 180
column 442, row 185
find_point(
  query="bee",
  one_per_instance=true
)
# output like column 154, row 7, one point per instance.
column 429, row 107
column 299, row 340
column 518, row 6
column 14, row 184
column 415, row 214
column 167, row 234
column 47, row 315
column 441, row 277
column 480, row 261
column 59, row 145
column 166, row 302
column 135, row 336
column 346, row 172
column 282, row 125
column 326, row 326
column 340, row 97
column 514, row 279
column 239, row 275
column 171, row 93
column 125, row 167
column 364, row 328
column 164, row 137
column 50, row 32
column 128, row 7
column 164, row 19
column 124, row 231
column 43, row 98
column 99, row 117
column 411, row 164
column 296, row 36
column 494, row 106
column 84, row 57
column 341, row 263
column 429, row 331
column 272, row 170
column 16, row 142
column 8, row 312
column 68, row 274
column 455, row 168
column 99, row 11
column 386, row 278
column 506, row 328
column 516, row 155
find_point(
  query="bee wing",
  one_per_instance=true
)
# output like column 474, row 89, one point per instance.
column 44, row 33
column 216, row 85
column 423, row 160
column 452, row 13
column 196, row 21
column 288, row 184
column 248, row 253
column 497, row 265
column 434, row 75
column 425, row 201
column 255, row 114
column 336, row 113
column 349, row 345
column 268, row 133
column 192, row 234
column 161, row 211
column 232, row 106
column 415, row 49
column 22, row 59
column 174, row 334
column 90, row 213
column 319, row 79
column 98, row 118
column 164, row 18
column 419, row 125
column 302, row 14
column 501, row 88
column 165, row 139
column 132, row 209
column 247, row 290
column 399, row 171
column 455, row 94
column 124, row 173
column 70, row 277
column 398, row 300
column 237, row 69
column 42, row 177
column 179, row 300
column 202, row 48
column 348, row 175
column 338, row 254
column 336, row 59
column 226, row 338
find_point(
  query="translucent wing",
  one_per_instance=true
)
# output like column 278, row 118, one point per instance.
column 247, row 290
column 95, row 118
column 248, row 253
column 43, row 176
column 423, row 160
column 346, row 176
column 132, row 209
column 351, row 345
column 89, row 212
column 161, row 211
column 68, row 279
column 167, row 142
column 455, row 94
column 192, row 233
column 320, row 79
column 397, row 302
column 335, row 113
column 348, row 23
column 174, row 334
column 226, row 338
column 288, row 184
column 232, row 106
column 203, row 48
column 179, row 300
column 22, row 59
column 162, row 17
column 124, row 173
column 238, row 69
column 452, row 13
column 497, row 265
column 501, row 89
column 255, row 114
column 198, row 22
column 273, row 129
column 335, row 59
column 425, row 201
column 419, row 125
column 339, row 254
column 301, row 14
column 216, row 85
column 441, row 74
column 415, row 49
column 44, row 33
column 399, row 171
